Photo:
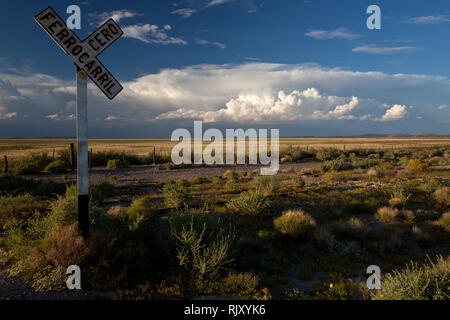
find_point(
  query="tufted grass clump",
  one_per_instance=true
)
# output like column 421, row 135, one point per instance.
column 267, row 185
column 430, row 281
column 176, row 196
column 251, row 203
column 295, row 223
column 393, row 215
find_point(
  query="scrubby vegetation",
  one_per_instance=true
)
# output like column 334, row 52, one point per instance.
column 303, row 234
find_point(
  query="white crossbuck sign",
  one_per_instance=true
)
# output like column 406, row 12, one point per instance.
column 84, row 53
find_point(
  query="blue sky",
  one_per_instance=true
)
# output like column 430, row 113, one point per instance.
column 308, row 67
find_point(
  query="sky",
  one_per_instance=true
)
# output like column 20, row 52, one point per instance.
column 306, row 67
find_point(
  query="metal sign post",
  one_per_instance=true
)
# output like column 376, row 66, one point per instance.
column 82, row 154
column 84, row 55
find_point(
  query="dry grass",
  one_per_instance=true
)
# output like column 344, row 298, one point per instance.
column 393, row 215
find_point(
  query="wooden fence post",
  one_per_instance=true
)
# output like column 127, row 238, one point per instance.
column 6, row 164
column 53, row 155
column 72, row 156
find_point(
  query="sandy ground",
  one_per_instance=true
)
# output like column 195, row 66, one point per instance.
column 160, row 174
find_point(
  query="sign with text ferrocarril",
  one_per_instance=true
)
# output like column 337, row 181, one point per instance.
column 84, row 53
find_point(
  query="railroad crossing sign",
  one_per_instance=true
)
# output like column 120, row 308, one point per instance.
column 84, row 53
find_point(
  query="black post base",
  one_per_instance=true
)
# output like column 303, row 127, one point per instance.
column 83, row 215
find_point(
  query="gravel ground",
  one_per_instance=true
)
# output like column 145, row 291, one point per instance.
column 149, row 173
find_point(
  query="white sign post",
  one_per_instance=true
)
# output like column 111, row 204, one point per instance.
column 84, row 55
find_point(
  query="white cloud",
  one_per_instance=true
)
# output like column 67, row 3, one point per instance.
column 339, row 33
column 442, row 107
column 6, row 116
column 112, row 118
column 434, row 19
column 308, row 104
column 150, row 34
column 396, row 112
column 217, row 2
column 185, row 12
column 59, row 117
column 116, row 15
column 215, row 43
column 383, row 50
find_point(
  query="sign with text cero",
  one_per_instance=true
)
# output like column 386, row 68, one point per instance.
column 84, row 53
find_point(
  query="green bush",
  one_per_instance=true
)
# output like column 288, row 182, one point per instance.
column 216, row 180
column 141, row 209
column 33, row 163
column 417, row 282
column 250, row 203
column 295, row 223
column 267, row 185
column 417, row 166
column 183, row 183
column 199, row 180
column 197, row 245
column 175, row 196
column 57, row 166
column 231, row 175
column 117, row 164
column 327, row 154
column 14, row 184
column 99, row 192
column 18, row 208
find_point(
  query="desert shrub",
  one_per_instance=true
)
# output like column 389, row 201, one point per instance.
column 175, row 195
column 99, row 192
column 199, row 180
column 183, row 183
column 298, row 181
column 216, row 180
column 198, row 246
column 267, row 185
column 250, row 203
column 63, row 246
column 117, row 164
column 295, row 223
column 418, row 282
column 141, row 209
column 442, row 196
column 33, row 163
column 231, row 175
column 324, row 239
column 327, row 154
column 444, row 222
column 417, row 166
column 375, row 172
column 57, row 166
column 393, row 215
column 364, row 163
column 15, row 208
column 400, row 196
column 334, row 165
column 243, row 285
column 334, row 176
column 353, row 228
column 339, row 289
column 429, row 186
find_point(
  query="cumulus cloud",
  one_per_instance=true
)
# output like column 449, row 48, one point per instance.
column 185, row 12
column 442, row 107
column 396, row 112
column 150, row 34
column 117, row 15
column 245, row 93
column 383, row 50
column 339, row 33
column 308, row 104
column 434, row 19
